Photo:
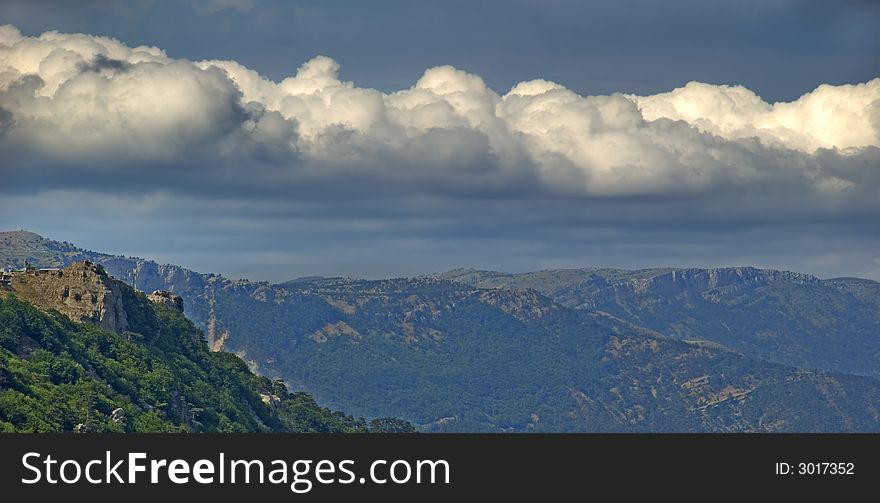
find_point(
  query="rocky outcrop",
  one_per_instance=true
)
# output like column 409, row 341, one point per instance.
column 167, row 299
column 118, row 415
column 82, row 291
column 524, row 305
column 270, row 399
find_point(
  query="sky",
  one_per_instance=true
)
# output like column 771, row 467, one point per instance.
column 276, row 139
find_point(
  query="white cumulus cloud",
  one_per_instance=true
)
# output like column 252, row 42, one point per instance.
column 828, row 117
column 85, row 101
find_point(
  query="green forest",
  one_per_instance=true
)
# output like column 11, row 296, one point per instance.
column 58, row 376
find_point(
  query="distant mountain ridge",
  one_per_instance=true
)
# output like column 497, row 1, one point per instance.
column 786, row 317
column 731, row 349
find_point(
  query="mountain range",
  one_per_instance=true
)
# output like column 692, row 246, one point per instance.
column 727, row 349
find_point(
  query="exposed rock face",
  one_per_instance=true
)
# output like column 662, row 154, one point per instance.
column 167, row 299
column 270, row 399
column 524, row 305
column 340, row 328
column 81, row 291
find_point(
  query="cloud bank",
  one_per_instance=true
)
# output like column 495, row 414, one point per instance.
column 83, row 112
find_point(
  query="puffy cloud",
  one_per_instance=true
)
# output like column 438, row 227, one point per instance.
column 85, row 98
column 88, row 99
column 829, row 117
column 88, row 113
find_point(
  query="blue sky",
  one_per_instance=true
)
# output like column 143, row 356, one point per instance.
column 561, row 133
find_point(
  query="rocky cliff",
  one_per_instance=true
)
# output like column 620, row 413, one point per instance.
column 85, row 293
column 82, row 291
